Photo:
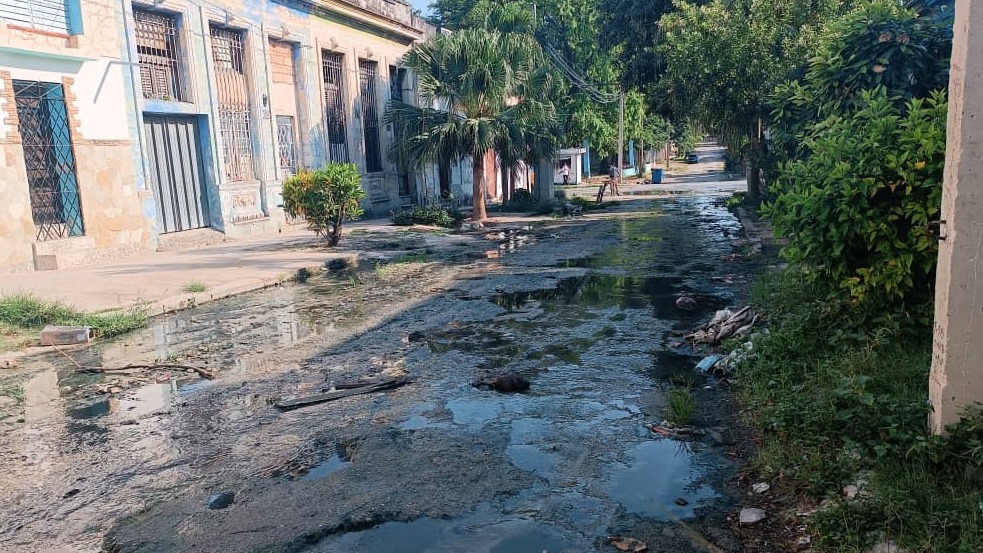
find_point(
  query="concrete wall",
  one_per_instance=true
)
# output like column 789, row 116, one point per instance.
column 957, row 363
column 96, row 93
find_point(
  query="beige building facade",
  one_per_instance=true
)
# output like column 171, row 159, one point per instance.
column 68, row 181
column 123, row 123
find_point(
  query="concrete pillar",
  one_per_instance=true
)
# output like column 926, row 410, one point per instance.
column 957, row 360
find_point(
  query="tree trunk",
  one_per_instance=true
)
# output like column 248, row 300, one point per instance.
column 754, row 180
column 478, row 190
column 507, row 188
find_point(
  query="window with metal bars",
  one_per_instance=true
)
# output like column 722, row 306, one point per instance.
column 158, row 49
column 367, row 71
column 234, row 107
column 56, row 16
column 50, row 159
column 286, row 145
column 334, row 105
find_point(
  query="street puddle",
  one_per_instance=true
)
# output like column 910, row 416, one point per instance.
column 326, row 468
column 660, row 472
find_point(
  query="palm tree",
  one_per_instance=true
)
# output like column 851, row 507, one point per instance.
column 480, row 91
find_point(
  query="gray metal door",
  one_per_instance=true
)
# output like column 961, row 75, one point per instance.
column 177, row 172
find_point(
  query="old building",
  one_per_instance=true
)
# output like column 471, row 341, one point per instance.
column 125, row 122
column 68, row 182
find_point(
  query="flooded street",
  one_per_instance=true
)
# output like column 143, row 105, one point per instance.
column 584, row 308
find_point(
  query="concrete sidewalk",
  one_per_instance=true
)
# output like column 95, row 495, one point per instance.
column 156, row 280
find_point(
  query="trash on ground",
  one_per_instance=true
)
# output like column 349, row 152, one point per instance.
column 761, row 487
column 339, row 393
column 725, row 324
column 53, row 335
column 633, row 545
column 707, row 363
column 670, row 430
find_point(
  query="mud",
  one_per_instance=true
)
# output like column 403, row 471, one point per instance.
column 583, row 308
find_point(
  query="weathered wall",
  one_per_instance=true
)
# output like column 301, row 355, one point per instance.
column 88, row 67
column 957, row 364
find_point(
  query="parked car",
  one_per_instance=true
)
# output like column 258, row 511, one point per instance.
column 692, row 158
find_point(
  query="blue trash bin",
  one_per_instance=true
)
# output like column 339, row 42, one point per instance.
column 656, row 176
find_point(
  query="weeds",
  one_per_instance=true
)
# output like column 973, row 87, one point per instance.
column 681, row 406
column 25, row 312
column 833, row 393
column 194, row 287
column 13, row 391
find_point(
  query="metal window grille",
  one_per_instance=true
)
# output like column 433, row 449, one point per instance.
column 367, row 71
column 44, row 15
column 334, row 105
column 234, row 109
column 50, row 160
column 286, row 145
column 158, row 48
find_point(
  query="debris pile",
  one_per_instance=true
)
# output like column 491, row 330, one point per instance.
column 725, row 324
column 506, row 382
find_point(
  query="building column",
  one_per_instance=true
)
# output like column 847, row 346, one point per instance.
column 957, row 361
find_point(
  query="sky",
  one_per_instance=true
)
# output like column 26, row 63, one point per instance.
column 421, row 5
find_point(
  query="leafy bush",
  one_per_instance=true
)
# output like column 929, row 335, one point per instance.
column 433, row 215
column 326, row 198
column 522, row 201
column 857, row 210
column 832, row 398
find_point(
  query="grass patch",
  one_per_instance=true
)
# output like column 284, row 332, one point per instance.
column 194, row 287
column 833, row 393
column 681, row 406
column 13, row 391
column 22, row 313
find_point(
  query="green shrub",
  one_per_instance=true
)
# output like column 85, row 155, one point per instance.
column 433, row 215
column 326, row 198
column 681, row 407
column 522, row 201
column 857, row 211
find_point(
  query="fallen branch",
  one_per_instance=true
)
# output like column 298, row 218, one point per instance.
column 291, row 404
column 204, row 373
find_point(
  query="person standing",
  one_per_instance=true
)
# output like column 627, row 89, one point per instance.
column 614, row 173
column 565, row 173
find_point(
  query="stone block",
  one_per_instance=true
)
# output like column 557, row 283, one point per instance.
column 65, row 335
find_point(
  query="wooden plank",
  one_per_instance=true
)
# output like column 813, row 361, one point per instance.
column 291, row 404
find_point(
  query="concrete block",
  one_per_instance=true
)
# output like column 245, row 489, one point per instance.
column 65, row 335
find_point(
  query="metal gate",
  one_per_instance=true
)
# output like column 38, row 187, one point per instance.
column 334, row 105
column 49, row 158
column 234, row 107
column 367, row 71
column 177, row 172
column 286, row 145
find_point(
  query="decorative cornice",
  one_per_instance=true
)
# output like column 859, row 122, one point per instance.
column 355, row 16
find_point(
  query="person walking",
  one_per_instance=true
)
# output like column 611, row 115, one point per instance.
column 565, row 173
column 615, row 175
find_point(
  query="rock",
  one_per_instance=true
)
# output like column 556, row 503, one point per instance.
column 719, row 436
column 887, row 547
column 850, row 491
column 681, row 502
column 803, row 542
column 471, row 226
column 760, row 487
column 686, row 303
column 504, row 382
column 752, row 515
column 220, row 500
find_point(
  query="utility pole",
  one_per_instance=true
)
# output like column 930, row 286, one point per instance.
column 621, row 136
